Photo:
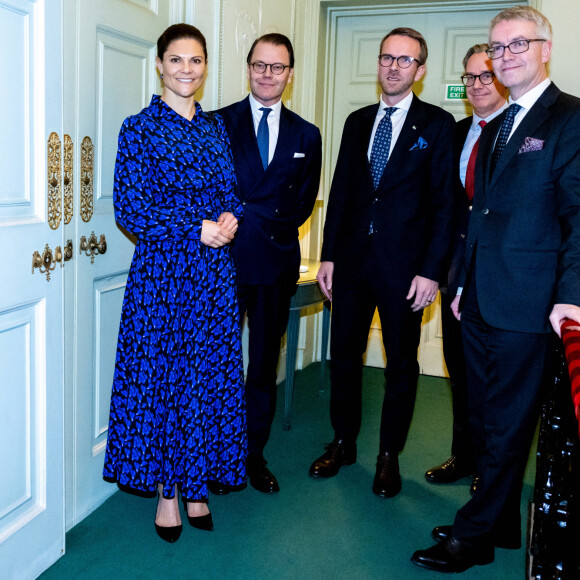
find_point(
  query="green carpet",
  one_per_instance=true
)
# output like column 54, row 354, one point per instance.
column 312, row 529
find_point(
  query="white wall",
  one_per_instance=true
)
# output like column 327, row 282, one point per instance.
column 564, row 16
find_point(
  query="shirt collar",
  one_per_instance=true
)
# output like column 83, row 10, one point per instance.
column 256, row 106
column 528, row 100
column 404, row 104
column 477, row 118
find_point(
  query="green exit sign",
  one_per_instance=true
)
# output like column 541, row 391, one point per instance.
column 455, row 93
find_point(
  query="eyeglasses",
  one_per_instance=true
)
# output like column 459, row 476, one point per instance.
column 277, row 68
column 402, row 61
column 485, row 78
column 516, row 47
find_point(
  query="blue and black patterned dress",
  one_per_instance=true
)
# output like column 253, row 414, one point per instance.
column 177, row 404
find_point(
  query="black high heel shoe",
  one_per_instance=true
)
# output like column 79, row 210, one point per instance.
column 168, row 533
column 200, row 522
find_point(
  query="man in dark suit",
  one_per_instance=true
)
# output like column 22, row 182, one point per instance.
column 277, row 157
column 386, row 237
column 522, row 266
column 487, row 96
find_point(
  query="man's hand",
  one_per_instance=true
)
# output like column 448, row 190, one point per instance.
column 424, row 291
column 228, row 221
column 561, row 311
column 455, row 307
column 324, row 278
column 214, row 235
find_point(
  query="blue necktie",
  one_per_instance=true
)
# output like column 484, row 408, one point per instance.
column 381, row 146
column 504, row 133
column 264, row 136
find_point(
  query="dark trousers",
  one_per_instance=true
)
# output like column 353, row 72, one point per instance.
column 355, row 296
column 505, row 372
column 461, row 446
column 267, row 308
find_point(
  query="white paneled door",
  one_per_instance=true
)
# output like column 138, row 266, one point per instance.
column 72, row 71
column 109, row 74
column 351, row 80
column 31, row 310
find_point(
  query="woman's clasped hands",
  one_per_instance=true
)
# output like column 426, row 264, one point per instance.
column 220, row 233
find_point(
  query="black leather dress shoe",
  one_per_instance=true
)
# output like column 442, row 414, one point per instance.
column 452, row 555
column 387, row 482
column 513, row 541
column 219, row 488
column 448, row 472
column 338, row 453
column 261, row 478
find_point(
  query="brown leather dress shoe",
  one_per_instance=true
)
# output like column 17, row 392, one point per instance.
column 261, row 478
column 452, row 555
column 511, row 541
column 387, row 482
column 448, row 472
column 338, row 453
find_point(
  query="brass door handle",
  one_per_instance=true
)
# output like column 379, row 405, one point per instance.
column 93, row 247
column 47, row 262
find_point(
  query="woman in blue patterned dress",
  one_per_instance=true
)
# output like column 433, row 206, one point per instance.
column 177, row 415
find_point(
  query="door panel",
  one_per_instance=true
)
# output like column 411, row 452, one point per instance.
column 352, row 71
column 115, row 45
column 31, row 334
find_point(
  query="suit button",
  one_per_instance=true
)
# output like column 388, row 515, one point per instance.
column 485, row 211
column 376, row 200
column 470, row 207
column 244, row 203
column 463, row 236
column 272, row 237
column 290, row 187
column 277, row 211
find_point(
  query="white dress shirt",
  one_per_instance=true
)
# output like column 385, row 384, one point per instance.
column 472, row 137
column 397, row 120
column 273, row 122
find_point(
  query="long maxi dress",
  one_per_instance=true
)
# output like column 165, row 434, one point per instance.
column 177, row 403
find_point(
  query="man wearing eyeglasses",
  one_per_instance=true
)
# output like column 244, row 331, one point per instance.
column 386, row 238
column 277, row 157
column 488, row 99
column 522, row 274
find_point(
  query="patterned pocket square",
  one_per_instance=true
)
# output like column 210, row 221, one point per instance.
column 421, row 144
column 531, row 144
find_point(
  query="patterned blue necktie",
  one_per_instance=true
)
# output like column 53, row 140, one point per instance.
column 381, row 146
column 264, row 136
column 504, row 133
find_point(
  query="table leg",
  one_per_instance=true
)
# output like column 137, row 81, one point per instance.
column 324, row 349
column 291, row 349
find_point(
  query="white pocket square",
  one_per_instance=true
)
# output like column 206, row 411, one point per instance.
column 299, row 155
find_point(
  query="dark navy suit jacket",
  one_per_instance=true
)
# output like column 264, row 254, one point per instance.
column 412, row 209
column 525, row 221
column 276, row 201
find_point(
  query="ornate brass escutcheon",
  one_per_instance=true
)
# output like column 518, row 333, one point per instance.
column 47, row 262
column 87, row 153
column 68, row 251
column 92, row 247
column 54, row 182
column 67, row 178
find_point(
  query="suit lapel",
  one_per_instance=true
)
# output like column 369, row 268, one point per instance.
column 245, row 137
column 284, row 144
column 535, row 117
column 410, row 132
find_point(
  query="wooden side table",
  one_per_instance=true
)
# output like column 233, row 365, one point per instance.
column 308, row 293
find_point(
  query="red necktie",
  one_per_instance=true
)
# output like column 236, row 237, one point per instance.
column 470, row 173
